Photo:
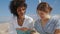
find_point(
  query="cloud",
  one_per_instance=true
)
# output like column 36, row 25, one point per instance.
column 39, row 1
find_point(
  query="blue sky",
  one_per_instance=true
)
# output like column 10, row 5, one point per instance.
column 55, row 4
column 4, row 7
column 31, row 9
column 5, row 12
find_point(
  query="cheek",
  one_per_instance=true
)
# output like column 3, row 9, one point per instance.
column 23, row 11
column 42, row 14
column 17, row 12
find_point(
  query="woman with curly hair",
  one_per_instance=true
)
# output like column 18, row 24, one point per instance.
column 20, row 21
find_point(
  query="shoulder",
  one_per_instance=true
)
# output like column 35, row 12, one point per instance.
column 13, row 19
column 56, row 17
column 37, row 21
column 28, row 18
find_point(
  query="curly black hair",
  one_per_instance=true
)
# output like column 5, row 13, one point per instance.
column 20, row 0
column 14, row 5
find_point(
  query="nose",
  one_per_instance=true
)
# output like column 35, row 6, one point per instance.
column 41, row 13
column 21, row 10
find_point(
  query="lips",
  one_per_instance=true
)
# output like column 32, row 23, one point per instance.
column 42, row 16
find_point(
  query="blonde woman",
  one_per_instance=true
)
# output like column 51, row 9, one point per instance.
column 46, row 24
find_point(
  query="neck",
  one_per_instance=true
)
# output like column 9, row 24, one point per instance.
column 20, row 20
column 46, row 18
column 21, row 17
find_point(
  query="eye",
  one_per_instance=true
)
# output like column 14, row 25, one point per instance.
column 23, row 9
column 19, row 10
column 46, row 11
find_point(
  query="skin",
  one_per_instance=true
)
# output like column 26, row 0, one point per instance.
column 44, row 18
column 21, row 13
column 20, row 19
column 57, row 31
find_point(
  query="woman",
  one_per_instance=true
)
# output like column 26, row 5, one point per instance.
column 46, row 24
column 20, row 21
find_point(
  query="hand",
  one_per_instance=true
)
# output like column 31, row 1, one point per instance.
column 23, row 29
column 35, row 32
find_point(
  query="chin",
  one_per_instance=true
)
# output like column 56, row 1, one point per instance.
column 42, row 17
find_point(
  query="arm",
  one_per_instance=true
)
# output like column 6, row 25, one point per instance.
column 57, row 28
column 34, row 31
column 23, row 29
column 12, row 29
column 57, row 31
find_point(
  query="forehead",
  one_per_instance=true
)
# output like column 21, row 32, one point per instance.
column 42, row 11
column 22, row 7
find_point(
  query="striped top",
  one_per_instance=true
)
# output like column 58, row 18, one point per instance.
column 52, row 24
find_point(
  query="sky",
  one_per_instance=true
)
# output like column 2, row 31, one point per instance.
column 55, row 4
column 5, row 12
column 4, row 7
column 31, row 9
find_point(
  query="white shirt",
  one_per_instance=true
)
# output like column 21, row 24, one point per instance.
column 28, row 23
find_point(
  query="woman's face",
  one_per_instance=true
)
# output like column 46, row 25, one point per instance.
column 21, row 11
column 43, row 14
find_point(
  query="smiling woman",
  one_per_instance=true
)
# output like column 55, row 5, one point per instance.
column 46, row 24
column 5, row 11
column 20, row 22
